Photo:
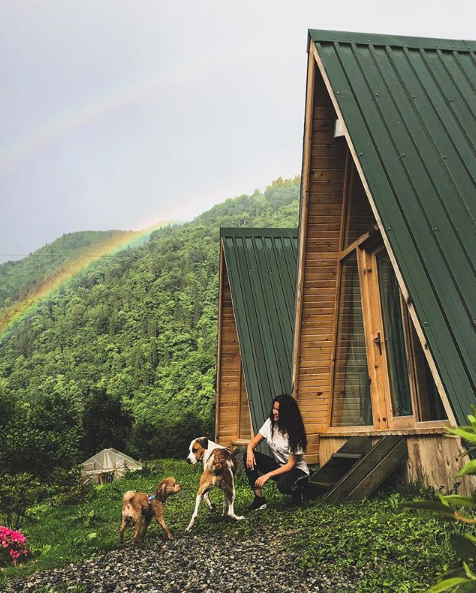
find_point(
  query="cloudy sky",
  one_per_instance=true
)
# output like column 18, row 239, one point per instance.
column 115, row 114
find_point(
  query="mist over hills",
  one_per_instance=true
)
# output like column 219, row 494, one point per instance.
column 124, row 354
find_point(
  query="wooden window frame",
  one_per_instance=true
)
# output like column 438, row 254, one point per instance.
column 412, row 373
column 367, row 247
column 390, row 421
column 379, row 371
column 354, row 247
column 344, row 252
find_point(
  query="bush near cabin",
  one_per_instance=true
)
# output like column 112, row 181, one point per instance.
column 461, row 576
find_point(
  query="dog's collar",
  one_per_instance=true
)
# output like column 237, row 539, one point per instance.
column 148, row 513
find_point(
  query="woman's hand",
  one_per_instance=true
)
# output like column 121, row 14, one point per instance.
column 261, row 481
column 250, row 459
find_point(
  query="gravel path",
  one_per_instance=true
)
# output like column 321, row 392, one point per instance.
column 204, row 563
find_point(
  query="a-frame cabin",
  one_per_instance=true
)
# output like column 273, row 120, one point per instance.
column 385, row 339
column 255, row 327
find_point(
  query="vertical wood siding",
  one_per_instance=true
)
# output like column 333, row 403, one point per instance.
column 322, row 228
column 244, row 432
column 230, row 378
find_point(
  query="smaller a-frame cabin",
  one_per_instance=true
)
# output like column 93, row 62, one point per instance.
column 385, row 335
column 255, row 327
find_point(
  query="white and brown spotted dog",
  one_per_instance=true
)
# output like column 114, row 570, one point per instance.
column 219, row 467
column 140, row 508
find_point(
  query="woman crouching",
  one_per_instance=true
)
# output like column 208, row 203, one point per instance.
column 284, row 432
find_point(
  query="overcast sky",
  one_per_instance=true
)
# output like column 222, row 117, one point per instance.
column 115, row 114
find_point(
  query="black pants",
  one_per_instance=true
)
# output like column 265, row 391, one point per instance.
column 287, row 483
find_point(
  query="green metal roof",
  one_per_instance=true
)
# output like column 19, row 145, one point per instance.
column 409, row 106
column 261, row 266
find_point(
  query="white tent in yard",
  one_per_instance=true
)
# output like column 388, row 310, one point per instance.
column 108, row 465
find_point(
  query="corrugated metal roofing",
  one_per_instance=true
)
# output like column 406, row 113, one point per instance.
column 409, row 106
column 261, row 266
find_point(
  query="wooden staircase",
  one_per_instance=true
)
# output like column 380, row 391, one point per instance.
column 357, row 469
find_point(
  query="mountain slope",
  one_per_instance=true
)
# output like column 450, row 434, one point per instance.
column 130, row 345
column 17, row 278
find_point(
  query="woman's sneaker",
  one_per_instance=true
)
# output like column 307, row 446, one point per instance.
column 258, row 504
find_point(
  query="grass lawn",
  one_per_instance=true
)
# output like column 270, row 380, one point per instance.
column 396, row 550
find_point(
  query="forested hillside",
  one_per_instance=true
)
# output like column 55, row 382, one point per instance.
column 18, row 278
column 125, row 355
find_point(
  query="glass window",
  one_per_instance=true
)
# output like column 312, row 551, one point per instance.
column 351, row 402
column 430, row 406
column 394, row 337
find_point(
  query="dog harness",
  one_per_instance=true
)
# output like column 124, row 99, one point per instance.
column 149, row 513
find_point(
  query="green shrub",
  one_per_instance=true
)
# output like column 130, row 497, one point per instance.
column 461, row 577
column 168, row 435
column 18, row 493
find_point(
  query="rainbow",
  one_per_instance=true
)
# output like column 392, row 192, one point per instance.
column 20, row 310
column 113, row 100
column 82, row 114
column 76, row 116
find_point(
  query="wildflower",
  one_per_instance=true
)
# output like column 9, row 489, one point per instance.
column 13, row 545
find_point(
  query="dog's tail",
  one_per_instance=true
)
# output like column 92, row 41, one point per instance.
column 128, row 496
column 127, row 507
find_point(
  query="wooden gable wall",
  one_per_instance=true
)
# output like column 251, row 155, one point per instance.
column 232, row 410
column 324, row 174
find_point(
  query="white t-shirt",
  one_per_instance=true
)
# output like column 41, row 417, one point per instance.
column 279, row 445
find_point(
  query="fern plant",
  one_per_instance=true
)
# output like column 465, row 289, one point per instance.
column 461, row 578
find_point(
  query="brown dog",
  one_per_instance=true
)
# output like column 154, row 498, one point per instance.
column 140, row 508
column 219, row 468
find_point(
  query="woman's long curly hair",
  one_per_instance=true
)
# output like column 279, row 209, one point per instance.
column 290, row 422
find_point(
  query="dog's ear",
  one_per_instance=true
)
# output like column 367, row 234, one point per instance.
column 161, row 492
column 203, row 441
